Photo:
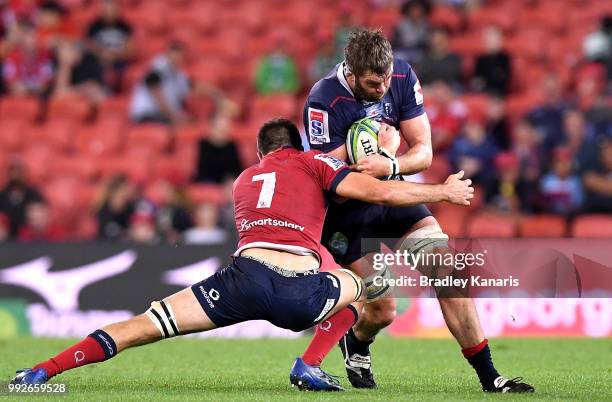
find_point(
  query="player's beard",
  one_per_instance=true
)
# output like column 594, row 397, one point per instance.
column 362, row 95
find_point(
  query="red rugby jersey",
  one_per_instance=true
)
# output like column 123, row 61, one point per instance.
column 281, row 202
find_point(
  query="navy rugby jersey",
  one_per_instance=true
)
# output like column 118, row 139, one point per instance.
column 331, row 107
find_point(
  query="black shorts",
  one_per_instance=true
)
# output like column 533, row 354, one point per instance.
column 248, row 290
column 346, row 224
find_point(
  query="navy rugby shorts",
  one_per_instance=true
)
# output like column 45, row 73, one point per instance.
column 349, row 222
column 248, row 290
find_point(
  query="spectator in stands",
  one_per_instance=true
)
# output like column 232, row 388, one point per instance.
column 597, row 46
column 579, row 139
column 162, row 95
column 142, row 228
column 492, row 72
column 525, row 149
column 110, row 38
column 506, row 190
column 173, row 216
column 474, row 152
column 497, row 122
column 598, row 181
column 80, row 72
column 409, row 39
column 446, row 115
column 219, row 158
column 206, row 230
column 54, row 25
column 325, row 60
column 276, row 72
column 39, row 227
column 16, row 195
column 115, row 207
column 561, row 189
column 28, row 68
column 439, row 64
column 548, row 116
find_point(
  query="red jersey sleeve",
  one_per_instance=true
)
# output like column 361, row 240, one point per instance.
column 328, row 170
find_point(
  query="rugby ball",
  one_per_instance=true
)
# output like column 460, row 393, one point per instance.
column 362, row 139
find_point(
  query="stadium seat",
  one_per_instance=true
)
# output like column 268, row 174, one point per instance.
column 82, row 167
column 542, row 226
column 438, row 171
column 153, row 136
column 14, row 134
column 452, row 219
column 267, row 107
column 477, row 104
column 57, row 132
column 468, row 44
column 518, row 105
column 386, row 18
column 492, row 16
column 173, row 169
column 592, row 225
column 446, row 16
column 491, row 225
column 103, row 138
column 200, row 193
column 37, row 159
column 19, row 107
column 86, row 228
column 137, row 170
column 528, row 43
column 72, row 107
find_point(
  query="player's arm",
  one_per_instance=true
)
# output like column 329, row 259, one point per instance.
column 400, row 193
column 417, row 133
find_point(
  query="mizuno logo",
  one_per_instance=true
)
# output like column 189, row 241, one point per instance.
column 61, row 289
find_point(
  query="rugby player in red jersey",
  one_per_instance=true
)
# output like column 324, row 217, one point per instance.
column 280, row 205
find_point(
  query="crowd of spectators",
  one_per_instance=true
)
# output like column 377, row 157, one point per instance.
column 554, row 157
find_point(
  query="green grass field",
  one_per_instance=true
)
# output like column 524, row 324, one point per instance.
column 195, row 369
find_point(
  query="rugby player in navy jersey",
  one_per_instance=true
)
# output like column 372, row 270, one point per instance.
column 280, row 207
column 370, row 82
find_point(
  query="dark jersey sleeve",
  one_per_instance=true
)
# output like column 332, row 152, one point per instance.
column 323, row 127
column 328, row 170
column 412, row 99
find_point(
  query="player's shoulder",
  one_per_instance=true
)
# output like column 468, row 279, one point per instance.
column 314, row 156
column 325, row 91
column 401, row 69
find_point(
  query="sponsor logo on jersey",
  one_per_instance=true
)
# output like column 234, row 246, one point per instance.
column 245, row 224
column 206, row 297
column 330, row 161
column 318, row 127
column 418, row 93
column 338, row 244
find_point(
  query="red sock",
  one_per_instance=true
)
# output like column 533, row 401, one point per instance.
column 471, row 351
column 328, row 333
column 97, row 347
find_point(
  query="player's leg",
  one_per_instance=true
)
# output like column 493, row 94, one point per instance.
column 462, row 321
column 306, row 372
column 339, row 320
column 178, row 314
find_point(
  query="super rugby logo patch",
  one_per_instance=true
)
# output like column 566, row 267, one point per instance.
column 330, row 161
column 318, row 127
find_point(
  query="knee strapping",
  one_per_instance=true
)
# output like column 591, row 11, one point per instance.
column 162, row 316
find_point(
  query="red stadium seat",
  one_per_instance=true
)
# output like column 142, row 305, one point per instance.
column 200, row 193
column 86, row 228
column 137, row 170
column 476, row 103
column 266, row 107
column 190, row 134
column 58, row 133
column 173, row 169
column 438, row 171
column 82, row 167
column 155, row 137
column 72, row 107
column 452, row 219
column 446, row 16
column 14, row 134
column 542, row 226
column 103, row 138
column 385, row 18
column 592, row 225
column 19, row 108
column 491, row 225
column 469, row 44
column 37, row 159
column 492, row 16
column 518, row 105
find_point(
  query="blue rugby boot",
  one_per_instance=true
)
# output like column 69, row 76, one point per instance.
column 29, row 376
column 312, row 378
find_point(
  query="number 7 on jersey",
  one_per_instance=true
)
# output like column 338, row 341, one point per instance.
column 267, row 189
